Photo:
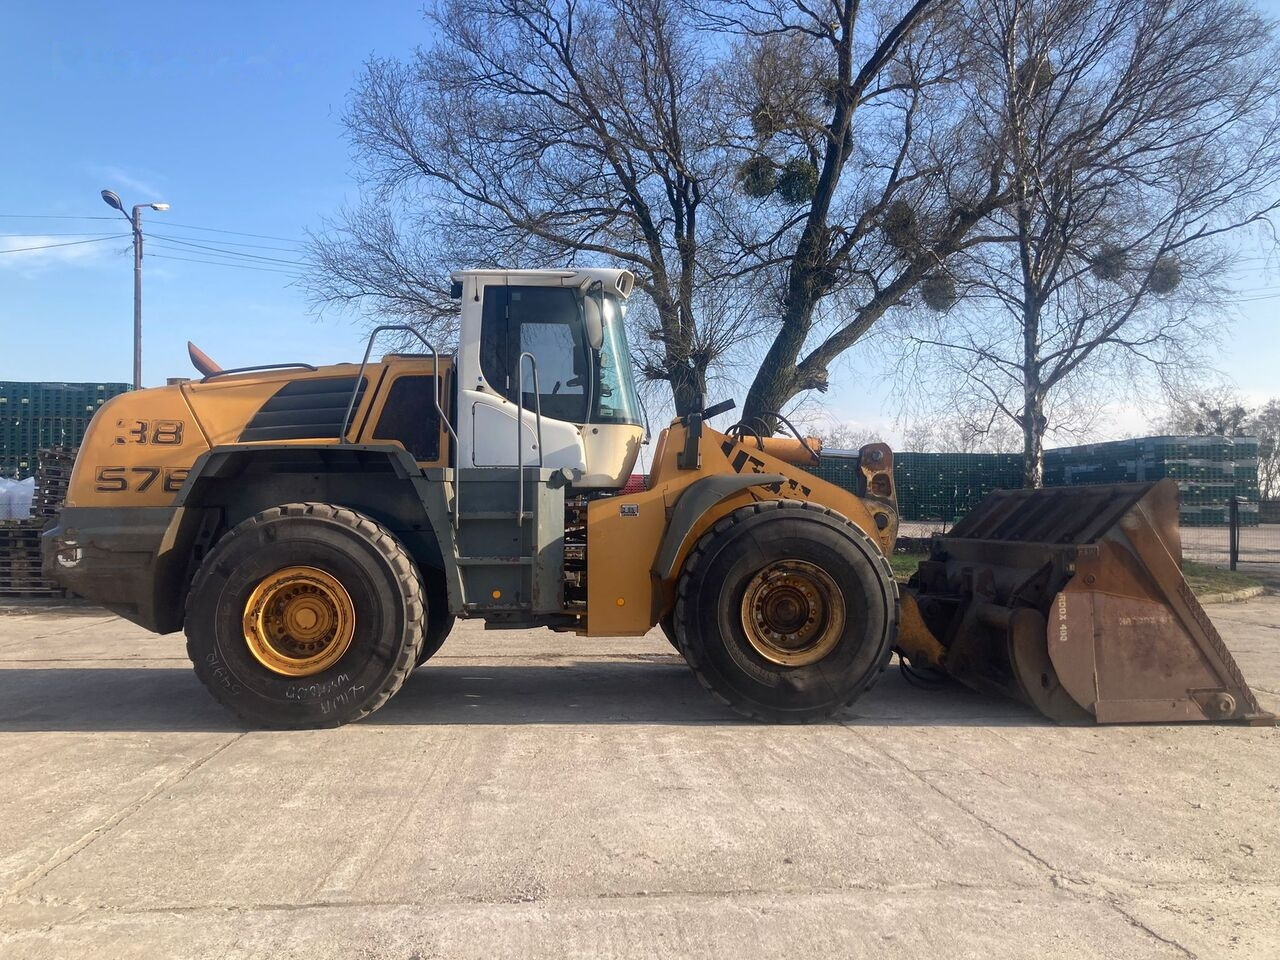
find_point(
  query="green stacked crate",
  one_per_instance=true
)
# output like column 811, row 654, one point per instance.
column 945, row 486
column 1209, row 470
column 35, row 416
column 932, row 486
column 839, row 467
column 1246, row 472
column 1116, row 462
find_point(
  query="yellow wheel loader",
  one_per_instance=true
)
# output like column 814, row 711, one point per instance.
column 317, row 531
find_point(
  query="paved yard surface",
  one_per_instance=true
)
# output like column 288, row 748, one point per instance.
column 533, row 795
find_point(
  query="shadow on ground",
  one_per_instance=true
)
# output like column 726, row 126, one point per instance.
column 651, row 690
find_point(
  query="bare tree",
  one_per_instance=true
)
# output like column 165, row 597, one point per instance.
column 370, row 262
column 852, row 171
column 834, row 432
column 1209, row 412
column 942, row 433
column 1139, row 137
column 628, row 130
column 1265, row 425
column 535, row 133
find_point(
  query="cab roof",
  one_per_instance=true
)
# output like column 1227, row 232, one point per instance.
column 620, row 282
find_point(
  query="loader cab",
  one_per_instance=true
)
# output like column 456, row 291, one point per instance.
column 547, row 349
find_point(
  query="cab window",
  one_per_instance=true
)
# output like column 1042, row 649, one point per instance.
column 545, row 322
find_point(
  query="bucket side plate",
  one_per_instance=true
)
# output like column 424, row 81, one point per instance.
column 1121, row 637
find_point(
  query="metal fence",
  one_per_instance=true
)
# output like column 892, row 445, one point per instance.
column 1253, row 533
column 1248, row 539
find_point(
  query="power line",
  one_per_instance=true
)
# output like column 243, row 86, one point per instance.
column 71, row 243
column 219, row 258
column 213, row 253
column 225, row 252
column 53, row 234
column 234, row 233
column 47, row 216
column 241, row 243
column 187, row 226
column 227, row 263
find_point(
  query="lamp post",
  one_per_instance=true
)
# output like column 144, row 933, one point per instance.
column 135, row 221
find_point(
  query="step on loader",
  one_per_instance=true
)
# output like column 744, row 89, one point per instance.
column 317, row 531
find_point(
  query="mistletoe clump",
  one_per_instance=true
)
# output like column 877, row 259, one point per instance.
column 1110, row 262
column 798, row 182
column 1166, row 275
column 938, row 292
column 757, row 177
column 766, row 120
column 900, row 227
column 1035, row 76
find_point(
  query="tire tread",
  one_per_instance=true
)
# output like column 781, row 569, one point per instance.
column 397, row 557
column 684, row 610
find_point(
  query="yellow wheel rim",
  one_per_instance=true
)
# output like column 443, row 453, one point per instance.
column 793, row 613
column 299, row 621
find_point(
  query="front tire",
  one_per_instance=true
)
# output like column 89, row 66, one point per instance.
column 786, row 611
column 306, row 615
column 668, row 625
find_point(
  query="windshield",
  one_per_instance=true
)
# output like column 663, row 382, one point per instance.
column 547, row 322
column 616, row 400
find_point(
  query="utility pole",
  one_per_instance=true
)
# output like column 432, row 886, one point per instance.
column 135, row 222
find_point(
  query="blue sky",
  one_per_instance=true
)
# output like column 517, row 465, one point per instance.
column 231, row 113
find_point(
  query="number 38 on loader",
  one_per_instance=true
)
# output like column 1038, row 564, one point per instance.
column 317, row 531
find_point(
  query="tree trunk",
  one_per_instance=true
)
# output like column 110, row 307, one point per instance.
column 775, row 382
column 687, row 384
column 1033, row 424
column 769, row 392
column 686, row 373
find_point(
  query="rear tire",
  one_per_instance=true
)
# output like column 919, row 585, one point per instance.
column 820, row 600
column 247, row 621
column 439, row 619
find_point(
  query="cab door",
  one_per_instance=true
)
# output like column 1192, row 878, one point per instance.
column 543, row 321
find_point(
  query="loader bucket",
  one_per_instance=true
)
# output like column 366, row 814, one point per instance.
column 1072, row 600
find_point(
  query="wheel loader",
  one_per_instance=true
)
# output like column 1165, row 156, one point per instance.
column 316, row 531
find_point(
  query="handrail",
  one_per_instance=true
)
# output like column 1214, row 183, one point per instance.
column 537, row 404
column 435, row 362
column 261, row 366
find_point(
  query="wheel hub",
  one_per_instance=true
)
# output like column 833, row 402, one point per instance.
column 299, row 621
column 793, row 613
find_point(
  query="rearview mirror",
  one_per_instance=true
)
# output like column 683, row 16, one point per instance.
column 593, row 315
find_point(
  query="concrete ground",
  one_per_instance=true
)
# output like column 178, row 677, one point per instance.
column 534, row 795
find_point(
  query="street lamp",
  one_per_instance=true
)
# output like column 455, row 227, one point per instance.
column 135, row 221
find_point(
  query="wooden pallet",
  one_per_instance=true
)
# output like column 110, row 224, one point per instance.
column 31, row 592
column 20, row 561
column 53, row 475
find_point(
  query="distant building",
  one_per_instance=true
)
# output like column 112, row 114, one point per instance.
column 38, row 415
